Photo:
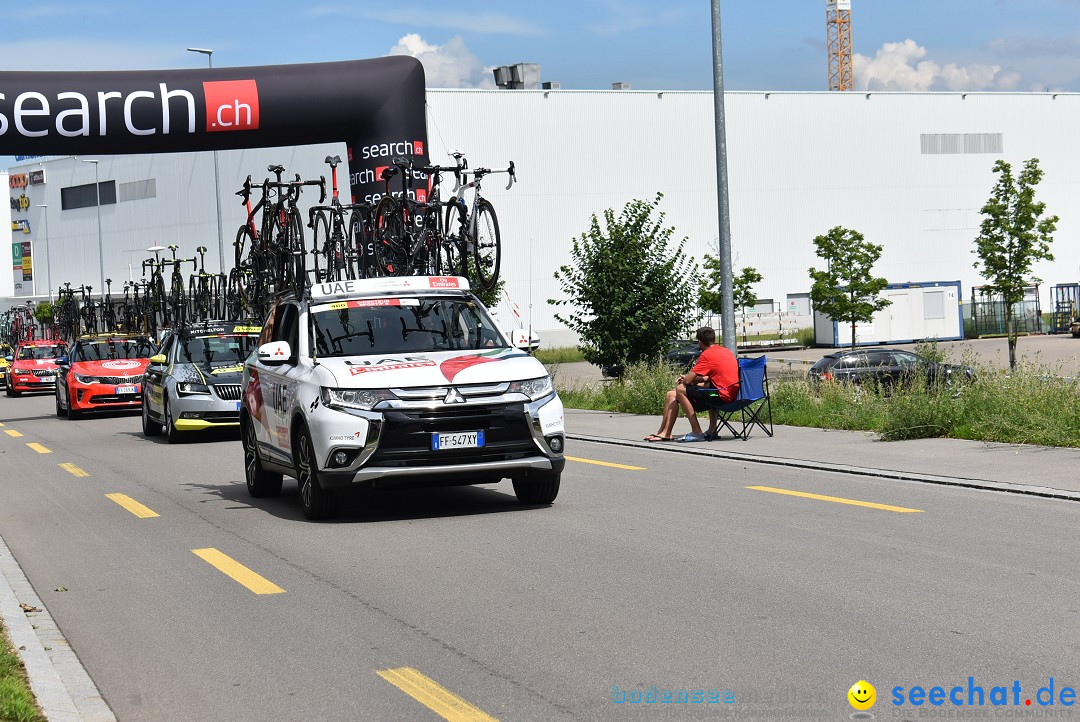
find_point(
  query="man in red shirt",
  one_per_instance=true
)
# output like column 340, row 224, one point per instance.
column 716, row 368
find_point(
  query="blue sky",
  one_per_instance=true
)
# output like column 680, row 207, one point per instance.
column 768, row 44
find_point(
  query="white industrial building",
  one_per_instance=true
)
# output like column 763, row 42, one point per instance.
column 908, row 170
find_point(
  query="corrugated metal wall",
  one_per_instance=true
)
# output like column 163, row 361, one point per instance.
column 800, row 163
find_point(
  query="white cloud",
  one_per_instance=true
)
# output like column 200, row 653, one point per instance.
column 904, row 66
column 451, row 65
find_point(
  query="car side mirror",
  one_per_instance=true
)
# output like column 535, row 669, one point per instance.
column 61, row 360
column 275, row 353
column 9, row 359
column 159, row 360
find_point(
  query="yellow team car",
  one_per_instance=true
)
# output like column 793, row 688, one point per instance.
column 5, row 351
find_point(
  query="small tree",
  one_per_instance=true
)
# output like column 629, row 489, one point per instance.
column 847, row 290
column 43, row 312
column 1013, row 236
column 709, row 297
column 628, row 290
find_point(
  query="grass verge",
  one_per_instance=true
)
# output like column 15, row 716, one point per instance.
column 1034, row 405
column 16, row 700
column 561, row 355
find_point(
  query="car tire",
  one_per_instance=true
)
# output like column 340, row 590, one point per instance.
column 72, row 414
column 537, row 489
column 11, row 391
column 260, row 482
column 61, row 412
column 149, row 426
column 317, row 503
column 171, row 433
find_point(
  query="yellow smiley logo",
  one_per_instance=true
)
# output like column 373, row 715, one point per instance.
column 862, row 695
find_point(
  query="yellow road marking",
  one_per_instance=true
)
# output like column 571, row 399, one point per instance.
column 12, row 432
column 837, row 499
column 1, row 424
column 39, row 448
column 434, row 696
column 72, row 469
column 131, row 505
column 606, row 463
column 232, row 568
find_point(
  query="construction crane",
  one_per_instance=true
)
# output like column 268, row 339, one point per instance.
column 838, row 21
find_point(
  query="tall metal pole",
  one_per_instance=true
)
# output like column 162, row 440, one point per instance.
column 727, row 315
column 101, row 250
column 48, row 248
column 209, row 53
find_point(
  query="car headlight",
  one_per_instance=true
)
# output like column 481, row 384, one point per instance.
column 363, row 399
column 533, row 388
column 86, row 379
column 188, row 388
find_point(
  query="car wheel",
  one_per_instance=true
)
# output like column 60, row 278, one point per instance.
column 72, row 414
column 10, row 389
column 316, row 502
column 260, row 482
column 60, row 410
column 537, row 489
column 171, row 433
column 149, row 426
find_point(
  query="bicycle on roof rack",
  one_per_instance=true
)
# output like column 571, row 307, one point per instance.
column 474, row 227
column 339, row 244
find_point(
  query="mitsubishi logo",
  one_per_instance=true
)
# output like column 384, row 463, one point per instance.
column 453, row 396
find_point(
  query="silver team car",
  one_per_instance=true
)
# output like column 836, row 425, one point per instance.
column 193, row 383
column 391, row 382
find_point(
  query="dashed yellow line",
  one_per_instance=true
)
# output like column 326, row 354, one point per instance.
column 72, row 469
column 12, row 432
column 836, row 499
column 434, row 696
column 232, row 568
column 143, row 512
column 39, row 448
column 605, row 463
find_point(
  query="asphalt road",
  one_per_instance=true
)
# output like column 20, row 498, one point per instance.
column 673, row 574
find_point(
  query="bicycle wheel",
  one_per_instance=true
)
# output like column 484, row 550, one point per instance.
column 487, row 249
column 320, row 234
column 343, row 250
column 177, row 301
column 391, row 257
column 452, row 258
column 245, row 241
column 235, row 302
column 297, row 263
column 362, row 241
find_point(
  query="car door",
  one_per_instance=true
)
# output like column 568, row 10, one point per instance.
column 905, row 365
column 154, row 378
column 881, row 368
column 276, row 384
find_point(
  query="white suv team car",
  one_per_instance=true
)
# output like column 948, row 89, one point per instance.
column 389, row 382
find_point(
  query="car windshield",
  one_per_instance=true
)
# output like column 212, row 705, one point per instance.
column 27, row 353
column 402, row 325
column 119, row 348
column 217, row 350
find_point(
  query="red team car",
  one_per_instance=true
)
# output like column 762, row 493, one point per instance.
column 102, row 372
column 33, row 367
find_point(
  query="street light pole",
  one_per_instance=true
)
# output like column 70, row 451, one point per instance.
column 209, row 53
column 48, row 248
column 101, row 250
column 727, row 316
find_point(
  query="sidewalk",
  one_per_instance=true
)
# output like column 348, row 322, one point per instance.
column 1037, row 470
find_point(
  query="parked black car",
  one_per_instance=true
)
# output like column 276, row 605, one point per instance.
column 887, row 367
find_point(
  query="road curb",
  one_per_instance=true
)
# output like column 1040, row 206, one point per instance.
column 984, row 484
column 59, row 681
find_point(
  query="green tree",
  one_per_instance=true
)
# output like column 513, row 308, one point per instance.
column 709, row 298
column 629, row 288
column 847, row 290
column 43, row 312
column 1014, row 234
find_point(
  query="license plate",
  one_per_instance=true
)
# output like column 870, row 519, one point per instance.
column 47, row 379
column 120, row 390
column 463, row 440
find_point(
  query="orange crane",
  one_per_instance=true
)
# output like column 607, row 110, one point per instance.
column 838, row 22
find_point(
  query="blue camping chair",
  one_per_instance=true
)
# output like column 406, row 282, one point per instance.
column 752, row 404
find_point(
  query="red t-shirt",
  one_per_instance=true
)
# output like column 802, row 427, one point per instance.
column 722, row 368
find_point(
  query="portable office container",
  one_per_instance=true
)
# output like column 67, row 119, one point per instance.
column 918, row 312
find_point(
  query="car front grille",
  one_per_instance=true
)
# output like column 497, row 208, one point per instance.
column 406, row 438
column 114, row 398
column 229, row 392
column 118, row 380
column 43, row 372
